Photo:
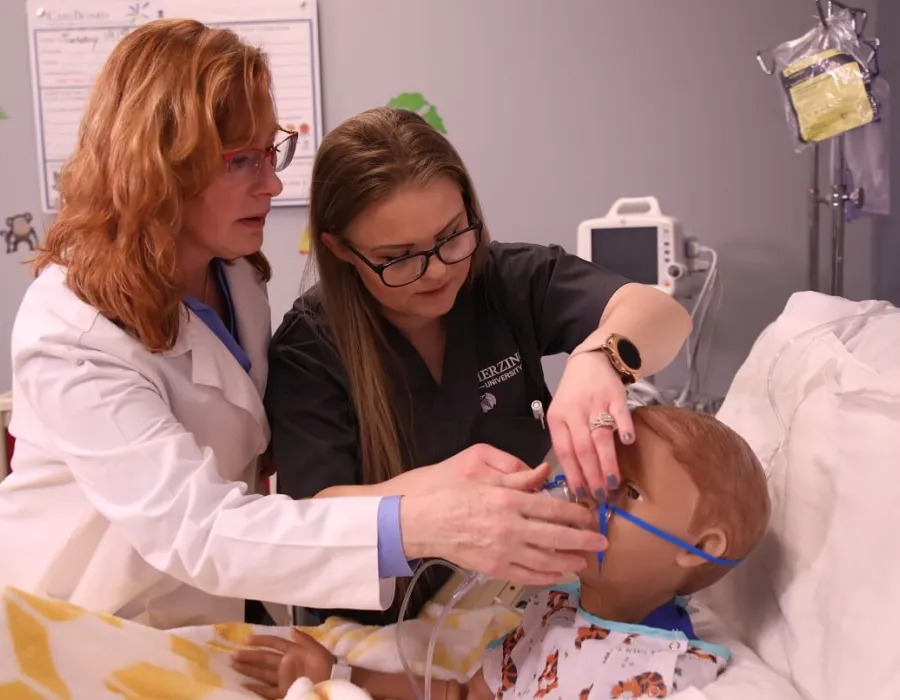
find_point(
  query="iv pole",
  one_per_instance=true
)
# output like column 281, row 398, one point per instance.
column 813, row 202
column 838, row 202
column 839, row 195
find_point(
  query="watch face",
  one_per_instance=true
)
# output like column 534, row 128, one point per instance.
column 629, row 354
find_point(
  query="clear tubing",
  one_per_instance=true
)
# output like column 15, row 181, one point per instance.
column 470, row 580
column 403, row 660
column 556, row 488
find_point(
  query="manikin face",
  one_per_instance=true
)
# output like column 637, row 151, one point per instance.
column 657, row 489
column 226, row 220
column 412, row 220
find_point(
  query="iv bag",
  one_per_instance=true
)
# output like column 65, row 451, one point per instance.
column 826, row 81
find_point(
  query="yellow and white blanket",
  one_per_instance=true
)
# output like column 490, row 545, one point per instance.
column 51, row 650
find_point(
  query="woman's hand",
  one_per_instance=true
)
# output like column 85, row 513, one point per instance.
column 277, row 667
column 589, row 388
column 477, row 464
column 506, row 531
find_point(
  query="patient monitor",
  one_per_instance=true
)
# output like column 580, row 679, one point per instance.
column 636, row 240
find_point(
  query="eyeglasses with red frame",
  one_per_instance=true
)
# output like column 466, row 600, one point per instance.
column 249, row 161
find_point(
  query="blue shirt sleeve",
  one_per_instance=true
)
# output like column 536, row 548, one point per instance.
column 391, row 559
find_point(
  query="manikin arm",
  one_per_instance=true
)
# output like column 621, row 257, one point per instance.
column 396, row 686
column 652, row 320
column 304, row 657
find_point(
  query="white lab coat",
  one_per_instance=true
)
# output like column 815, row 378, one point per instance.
column 134, row 474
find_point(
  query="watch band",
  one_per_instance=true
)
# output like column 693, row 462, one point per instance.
column 628, row 371
column 341, row 671
column 626, row 376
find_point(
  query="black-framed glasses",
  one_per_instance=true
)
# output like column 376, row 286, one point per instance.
column 411, row 267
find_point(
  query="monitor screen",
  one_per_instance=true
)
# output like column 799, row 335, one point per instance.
column 631, row 252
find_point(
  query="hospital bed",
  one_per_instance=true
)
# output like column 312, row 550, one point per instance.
column 817, row 600
column 810, row 616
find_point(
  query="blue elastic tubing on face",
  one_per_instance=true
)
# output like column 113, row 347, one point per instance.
column 606, row 511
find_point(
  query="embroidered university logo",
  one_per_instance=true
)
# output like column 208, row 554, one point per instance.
column 496, row 374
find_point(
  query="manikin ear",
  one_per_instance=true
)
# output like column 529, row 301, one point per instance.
column 336, row 249
column 712, row 541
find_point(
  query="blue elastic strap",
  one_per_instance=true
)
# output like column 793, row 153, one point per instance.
column 555, row 482
column 606, row 510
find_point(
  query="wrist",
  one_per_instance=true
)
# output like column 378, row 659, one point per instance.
column 587, row 349
column 456, row 691
column 592, row 343
column 621, row 354
column 339, row 669
column 350, row 490
column 420, row 530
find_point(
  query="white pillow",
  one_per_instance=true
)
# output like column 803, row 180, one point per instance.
column 747, row 407
column 816, row 601
column 746, row 678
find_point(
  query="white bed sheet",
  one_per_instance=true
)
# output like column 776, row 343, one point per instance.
column 746, row 678
column 816, row 601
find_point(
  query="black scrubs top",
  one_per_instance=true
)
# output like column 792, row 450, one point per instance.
column 530, row 301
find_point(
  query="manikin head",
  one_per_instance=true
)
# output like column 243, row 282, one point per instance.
column 694, row 478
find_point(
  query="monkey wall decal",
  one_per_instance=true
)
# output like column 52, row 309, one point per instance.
column 19, row 230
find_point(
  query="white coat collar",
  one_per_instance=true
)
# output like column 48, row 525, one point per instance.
column 212, row 364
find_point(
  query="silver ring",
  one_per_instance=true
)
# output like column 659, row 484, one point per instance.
column 604, row 420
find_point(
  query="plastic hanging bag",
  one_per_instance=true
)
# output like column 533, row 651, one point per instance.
column 867, row 152
column 826, row 81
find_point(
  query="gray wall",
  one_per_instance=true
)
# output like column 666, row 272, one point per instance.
column 886, row 244
column 557, row 115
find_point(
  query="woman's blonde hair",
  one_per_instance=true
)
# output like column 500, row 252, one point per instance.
column 173, row 96
column 363, row 161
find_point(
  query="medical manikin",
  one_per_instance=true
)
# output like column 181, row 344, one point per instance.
column 693, row 503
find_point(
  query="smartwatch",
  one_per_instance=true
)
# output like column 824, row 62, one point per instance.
column 623, row 356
